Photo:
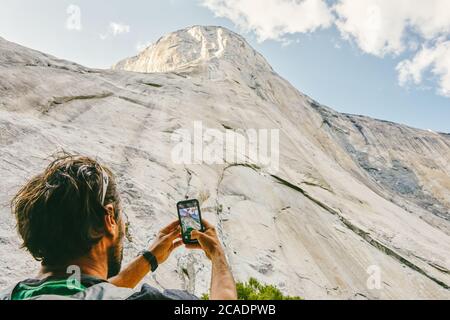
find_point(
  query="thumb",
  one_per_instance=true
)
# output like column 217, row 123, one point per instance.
column 195, row 234
column 178, row 243
column 173, row 234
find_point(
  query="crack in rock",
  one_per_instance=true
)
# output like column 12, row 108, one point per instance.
column 363, row 234
column 66, row 99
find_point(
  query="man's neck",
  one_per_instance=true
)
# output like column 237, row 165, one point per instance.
column 87, row 265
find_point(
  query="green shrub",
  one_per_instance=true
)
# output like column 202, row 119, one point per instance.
column 254, row 290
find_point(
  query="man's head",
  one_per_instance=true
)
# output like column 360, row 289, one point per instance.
column 62, row 216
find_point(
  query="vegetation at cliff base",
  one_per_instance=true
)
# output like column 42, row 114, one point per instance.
column 254, row 290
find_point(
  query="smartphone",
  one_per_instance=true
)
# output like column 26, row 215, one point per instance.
column 190, row 219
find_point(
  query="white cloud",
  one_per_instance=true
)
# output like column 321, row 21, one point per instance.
column 115, row 29
column 118, row 28
column 381, row 27
column 273, row 19
column 434, row 59
column 419, row 29
column 416, row 27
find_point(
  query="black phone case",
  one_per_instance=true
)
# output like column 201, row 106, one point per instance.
column 199, row 214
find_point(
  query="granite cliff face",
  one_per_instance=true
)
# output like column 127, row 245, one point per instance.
column 353, row 195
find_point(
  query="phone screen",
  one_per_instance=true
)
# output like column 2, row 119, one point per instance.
column 190, row 219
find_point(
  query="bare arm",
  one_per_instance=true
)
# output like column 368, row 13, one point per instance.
column 223, row 286
column 162, row 247
column 132, row 274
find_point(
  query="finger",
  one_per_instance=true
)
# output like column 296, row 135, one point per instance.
column 195, row 234
column 170, row 226
column 178, row 243
column 179, row 236
column 211, row 232
column 174, row 233
column 207, row 224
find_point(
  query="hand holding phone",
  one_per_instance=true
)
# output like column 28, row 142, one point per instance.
column 167, row 240
column 208, row 241
column 190, row 219
column 200, row 234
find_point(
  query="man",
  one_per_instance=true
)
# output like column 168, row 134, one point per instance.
column 70, row 219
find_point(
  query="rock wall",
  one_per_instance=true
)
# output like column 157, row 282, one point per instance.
column 352, row 194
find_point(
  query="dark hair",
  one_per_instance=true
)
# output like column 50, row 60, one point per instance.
column 59, row 212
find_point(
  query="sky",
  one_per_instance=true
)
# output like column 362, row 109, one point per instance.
column 381, row 58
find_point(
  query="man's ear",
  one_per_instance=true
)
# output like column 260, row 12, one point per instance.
column 110, row 222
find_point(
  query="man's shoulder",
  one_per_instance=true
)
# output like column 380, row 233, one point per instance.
column 103, row 290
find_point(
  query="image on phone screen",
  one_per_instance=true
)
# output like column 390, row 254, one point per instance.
column 190, row 219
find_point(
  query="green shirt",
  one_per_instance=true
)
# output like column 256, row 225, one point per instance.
column 61, row 287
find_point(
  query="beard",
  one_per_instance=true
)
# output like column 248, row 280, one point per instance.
column 115, row 255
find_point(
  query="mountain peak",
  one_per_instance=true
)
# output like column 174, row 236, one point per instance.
column 194, row 48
